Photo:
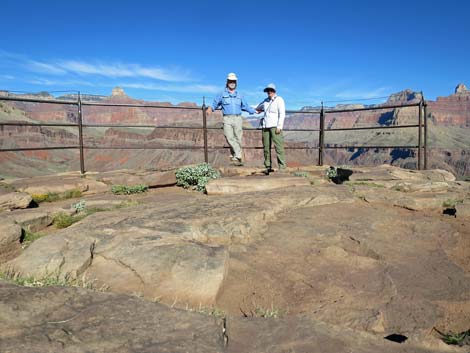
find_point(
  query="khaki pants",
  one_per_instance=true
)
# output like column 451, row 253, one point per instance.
column 269, row 134
column 233, row 132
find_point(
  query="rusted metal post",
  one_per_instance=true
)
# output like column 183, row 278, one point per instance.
column 204, row 127
column 425, row 134
column 80, row 135
column 321, row 140
column 420, row 132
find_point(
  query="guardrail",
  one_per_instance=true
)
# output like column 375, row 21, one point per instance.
column 421, row 126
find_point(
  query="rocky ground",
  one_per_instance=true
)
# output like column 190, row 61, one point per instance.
column 289, row 262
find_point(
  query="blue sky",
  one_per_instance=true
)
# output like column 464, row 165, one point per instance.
column 182, row 50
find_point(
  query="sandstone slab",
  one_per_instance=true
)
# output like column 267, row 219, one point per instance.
column 58, row 184
column 463, row 209
column 59, row 319
column 14, row 200
column 370, row 268
column 10, row 235
column 388, row 172
column 302, row 334
column 417, row 200
column 130, row 177
column 237, row 185
column 171, row 248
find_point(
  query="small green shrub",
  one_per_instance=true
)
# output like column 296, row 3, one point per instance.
column 79, row 206
column 451, row 203
column 29, row 236
column 211, row 311
column 196, row 177
column 49, row 280
column 364, row 183
column 53, row 196
column 272, row 312
column 458, row 339
column 301, row 174
column 127, row 190
column 71, row 194
column 63, row 220
column 331, row 173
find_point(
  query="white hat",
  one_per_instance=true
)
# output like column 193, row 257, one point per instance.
column 232, row 77
column 269, row 87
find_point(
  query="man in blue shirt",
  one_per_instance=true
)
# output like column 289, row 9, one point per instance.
column 232, row 104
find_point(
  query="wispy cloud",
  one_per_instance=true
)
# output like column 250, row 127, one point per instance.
column 116, row 69
column 193, row 88
column 41, row 67
column 7, row 77
column 48, row 82
column 180, row 88
column 366, row 94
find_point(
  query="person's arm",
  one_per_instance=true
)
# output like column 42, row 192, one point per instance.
column 281, row 108
column 246, row 107
column 216, row 103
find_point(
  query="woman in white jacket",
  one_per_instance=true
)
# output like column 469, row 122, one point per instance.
column 272, row 123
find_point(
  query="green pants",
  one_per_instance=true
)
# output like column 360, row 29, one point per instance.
column 269, row 134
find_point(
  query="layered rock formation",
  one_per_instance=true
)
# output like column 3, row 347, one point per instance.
column 448, row 120
column 453, row 110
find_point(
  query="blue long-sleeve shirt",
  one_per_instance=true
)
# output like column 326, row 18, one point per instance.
column 231, row 103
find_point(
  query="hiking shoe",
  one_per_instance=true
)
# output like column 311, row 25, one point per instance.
column 268, row 170
column 238, row 162
column 233, row 158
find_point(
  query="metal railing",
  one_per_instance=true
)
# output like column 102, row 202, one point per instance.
column 421, row 126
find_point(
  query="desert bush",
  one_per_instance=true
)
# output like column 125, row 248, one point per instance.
column 196, row 177
column 453, row 338
column 29, row 236
column 331, row 173
column 79, row 206
column 64, row 220
column 50, row 280
column 451, row 203
column 272, row 312
column 53, row 196
column 127, row 190
column 301, row 174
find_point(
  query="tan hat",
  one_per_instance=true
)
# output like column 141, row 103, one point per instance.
column 232, row 77
column 271, row 86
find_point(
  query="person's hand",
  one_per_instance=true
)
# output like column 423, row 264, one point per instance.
column 278, row 131
column 257, row 111
column 209, row 110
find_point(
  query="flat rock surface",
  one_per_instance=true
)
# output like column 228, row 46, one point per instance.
column 10, row 235
column 61, row 319
column 68, row 319
column 13, row 200
column 59, row 184
column 152, row 250
column 132, row 177
column 342, row 265
column 302, row 334
column 237, row 185
column 382, row 270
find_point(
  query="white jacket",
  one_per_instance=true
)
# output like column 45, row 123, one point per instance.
column 274, row 112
